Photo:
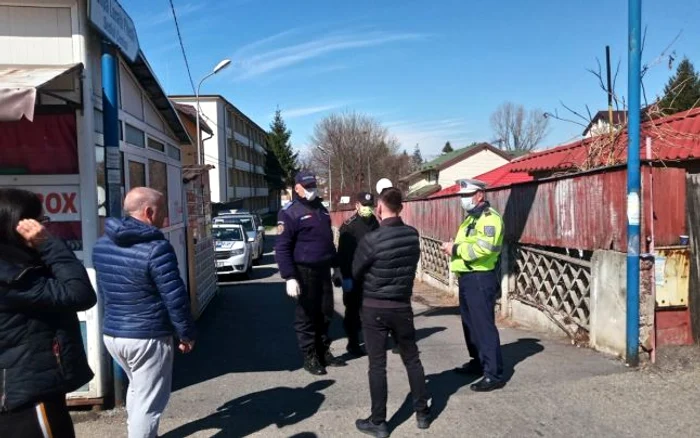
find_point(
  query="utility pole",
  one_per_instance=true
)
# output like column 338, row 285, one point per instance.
column 633, row 180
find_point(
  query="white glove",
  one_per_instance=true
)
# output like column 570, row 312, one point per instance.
column 293, row 288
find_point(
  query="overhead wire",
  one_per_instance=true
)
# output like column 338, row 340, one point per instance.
column 182, row 46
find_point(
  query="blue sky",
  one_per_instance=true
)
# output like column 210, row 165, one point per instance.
column 431, row 71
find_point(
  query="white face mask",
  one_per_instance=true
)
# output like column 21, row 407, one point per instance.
column 468, row 203
column 310, row 194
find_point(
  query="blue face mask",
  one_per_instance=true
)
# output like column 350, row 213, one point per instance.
column 310, row 194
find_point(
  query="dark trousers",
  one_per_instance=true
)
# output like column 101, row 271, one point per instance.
column 376, row 324
column 51, row 416
column 314, row 309
column 478, row 292
column 352, row 323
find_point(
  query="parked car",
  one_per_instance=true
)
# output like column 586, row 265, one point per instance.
column 233, row 252
column 254, row 232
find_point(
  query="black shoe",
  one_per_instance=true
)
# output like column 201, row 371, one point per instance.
column 355, row 350
column 380, row 430
column 473, row 368
column 331, row 361
column 313, row 365
column 423, row 420
column 487, row 384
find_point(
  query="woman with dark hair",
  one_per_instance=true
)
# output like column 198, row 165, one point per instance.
column 42, row 357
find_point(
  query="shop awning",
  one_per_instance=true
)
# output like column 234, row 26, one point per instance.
column 19, row 86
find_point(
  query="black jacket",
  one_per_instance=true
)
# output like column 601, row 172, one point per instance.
column 352, row 232
column 386, row 260
column 41, row 348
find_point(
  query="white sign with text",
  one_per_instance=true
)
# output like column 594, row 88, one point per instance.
column 114, row 23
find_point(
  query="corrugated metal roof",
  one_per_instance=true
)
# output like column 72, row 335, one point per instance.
column 674, row 138
column 190, row 112
column 498, row 177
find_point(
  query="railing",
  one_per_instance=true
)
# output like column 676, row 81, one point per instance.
column 433, row 261
column 558, row 284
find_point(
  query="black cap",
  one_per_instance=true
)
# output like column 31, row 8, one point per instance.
column 306, row 179
column 365, row 198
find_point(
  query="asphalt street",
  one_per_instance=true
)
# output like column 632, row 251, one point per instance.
column 245, row 379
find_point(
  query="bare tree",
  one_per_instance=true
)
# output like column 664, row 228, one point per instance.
column 518, row 131
column 357, row 151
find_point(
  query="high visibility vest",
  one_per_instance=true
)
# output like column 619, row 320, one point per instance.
column 478, row 243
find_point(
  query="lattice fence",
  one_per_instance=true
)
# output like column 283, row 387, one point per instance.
column 433, row 261
column 559, row 283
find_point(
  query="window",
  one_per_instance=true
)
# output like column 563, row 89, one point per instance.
column 158, row 177
column 156, row 145
column 137, row 174
column 174, row 152
column 99, row 121
column 227, row 234
column 135, row 136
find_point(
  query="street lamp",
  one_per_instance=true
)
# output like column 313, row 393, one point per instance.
column 220, row 66
column 330, row 179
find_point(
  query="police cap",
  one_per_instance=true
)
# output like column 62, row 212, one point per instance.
column 366, row 199
column 306, row 179
column 470, row 186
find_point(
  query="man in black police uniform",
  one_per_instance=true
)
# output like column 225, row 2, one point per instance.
column 385, row 263
column 351, row 233
column 305, row 253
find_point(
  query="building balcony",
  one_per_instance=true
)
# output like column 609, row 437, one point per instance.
column 242, row 138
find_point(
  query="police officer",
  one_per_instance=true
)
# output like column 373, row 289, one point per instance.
column 351, row 233
column 475, row 260
column 305, row 253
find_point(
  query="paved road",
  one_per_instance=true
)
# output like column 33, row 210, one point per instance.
column 245, row 379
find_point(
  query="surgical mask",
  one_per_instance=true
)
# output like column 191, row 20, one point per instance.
column 365, row 211
column 310, row 194
column 468, row 204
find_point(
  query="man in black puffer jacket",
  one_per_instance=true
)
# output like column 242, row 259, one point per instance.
column 385, row 264
column 42, row 356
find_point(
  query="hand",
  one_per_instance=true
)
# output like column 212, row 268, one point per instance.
column 185, row 346
column 337, row 278
column 293, row 288
column 33, row 233
column 347, row 284
column 447, row 247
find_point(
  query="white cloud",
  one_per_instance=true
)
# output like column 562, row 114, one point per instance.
column 167, row 15
column 430, row 135
column 293, row 113
column 253, row 62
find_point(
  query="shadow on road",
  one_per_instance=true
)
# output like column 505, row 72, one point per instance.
column 444, row 385
column 281, row 406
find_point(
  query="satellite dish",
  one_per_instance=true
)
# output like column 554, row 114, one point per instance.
column 382, row 184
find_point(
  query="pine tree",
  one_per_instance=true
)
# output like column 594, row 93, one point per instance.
column 279, row 145
column 448, row 148
column 416, row 159
column 682, row 92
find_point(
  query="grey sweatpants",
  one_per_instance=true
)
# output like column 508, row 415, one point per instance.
column 149, row 365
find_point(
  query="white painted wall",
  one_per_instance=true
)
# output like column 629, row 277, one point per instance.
column 475, row 165
column 37, row 35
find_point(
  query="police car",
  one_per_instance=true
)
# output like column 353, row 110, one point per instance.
column 234, row 254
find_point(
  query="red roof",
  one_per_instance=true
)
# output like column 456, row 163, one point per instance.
column 498, row 177
column 674, row 138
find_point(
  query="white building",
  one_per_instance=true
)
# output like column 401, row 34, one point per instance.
column 50, row 65
column 237, row 150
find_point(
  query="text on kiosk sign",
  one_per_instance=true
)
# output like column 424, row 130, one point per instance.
column 60, row 203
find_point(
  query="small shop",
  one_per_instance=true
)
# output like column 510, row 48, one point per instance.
column 52, row 142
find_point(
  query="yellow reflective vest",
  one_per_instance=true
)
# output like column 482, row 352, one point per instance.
column 478, row 243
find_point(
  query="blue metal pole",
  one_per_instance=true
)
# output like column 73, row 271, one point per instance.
column 110, row 119
column 633, row 181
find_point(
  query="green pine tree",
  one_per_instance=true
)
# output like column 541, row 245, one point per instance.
column 279, row 145
column 448, row 148
column 682, row 92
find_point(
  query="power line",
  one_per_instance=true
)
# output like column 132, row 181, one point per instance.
column 182, row 46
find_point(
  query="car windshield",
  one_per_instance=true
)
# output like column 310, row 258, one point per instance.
column 228, row 234
column 247, row 222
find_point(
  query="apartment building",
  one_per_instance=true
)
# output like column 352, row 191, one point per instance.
column 237, row 149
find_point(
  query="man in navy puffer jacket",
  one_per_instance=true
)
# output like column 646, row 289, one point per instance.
column 145, row 304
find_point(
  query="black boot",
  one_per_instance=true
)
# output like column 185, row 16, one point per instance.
column 331, row 361
column 380, row 430
column 313, row 365
column 423, row 419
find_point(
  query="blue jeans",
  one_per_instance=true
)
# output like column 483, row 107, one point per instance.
column 478, row 292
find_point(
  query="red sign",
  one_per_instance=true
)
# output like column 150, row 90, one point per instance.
column 61, row 203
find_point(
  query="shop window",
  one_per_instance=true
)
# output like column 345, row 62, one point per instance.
column 174, row 153
column 158, row 177
column 46, row 146
column 99, row 122
column 137, row 174
column 135, row 136
column 156, row 145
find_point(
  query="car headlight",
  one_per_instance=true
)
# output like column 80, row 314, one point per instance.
column 237, row 252
column 251, row 239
